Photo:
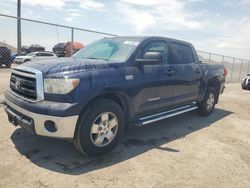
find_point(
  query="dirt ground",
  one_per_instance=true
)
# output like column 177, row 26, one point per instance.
column 184, row 151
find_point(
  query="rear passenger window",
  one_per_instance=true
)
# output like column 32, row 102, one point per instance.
column 48, row 54
column 38, row 54
column 181, row 54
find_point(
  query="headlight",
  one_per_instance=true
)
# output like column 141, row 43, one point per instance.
column 61, row 85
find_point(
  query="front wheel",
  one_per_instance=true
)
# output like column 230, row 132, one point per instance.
column 206, row 107
column 99, row 128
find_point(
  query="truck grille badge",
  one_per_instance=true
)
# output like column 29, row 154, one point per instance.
column 17, row 84
column 129, row 77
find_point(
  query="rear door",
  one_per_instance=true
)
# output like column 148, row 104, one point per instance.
column 187, row 73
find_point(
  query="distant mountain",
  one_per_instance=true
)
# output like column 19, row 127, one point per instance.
column 13, row 49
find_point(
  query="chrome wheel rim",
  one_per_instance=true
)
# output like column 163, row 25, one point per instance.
column 210, row 102
column 104, row 129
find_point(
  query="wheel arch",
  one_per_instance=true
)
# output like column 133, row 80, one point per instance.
column 118, row 97
column 216, row 84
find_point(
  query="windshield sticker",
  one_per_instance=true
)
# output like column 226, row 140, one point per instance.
column 131, row 43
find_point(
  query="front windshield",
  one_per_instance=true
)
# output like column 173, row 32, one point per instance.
column 109, row 49
column 30, row 54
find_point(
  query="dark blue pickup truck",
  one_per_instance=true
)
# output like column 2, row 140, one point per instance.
column 109, row 85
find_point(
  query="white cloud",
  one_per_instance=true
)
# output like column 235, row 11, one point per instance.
column 90, row 4
column 141, row 2
column 232, row 38
column 73, row 16
column 73, row 10
column 244, row 2
column 237, row 3
column 169, row 15
column 58, row 4
column 140, row 20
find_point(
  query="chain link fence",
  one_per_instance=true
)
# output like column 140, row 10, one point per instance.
column 44, row 37
column 237, row 68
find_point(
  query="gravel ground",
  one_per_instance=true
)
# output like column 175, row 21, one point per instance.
column 184, row 151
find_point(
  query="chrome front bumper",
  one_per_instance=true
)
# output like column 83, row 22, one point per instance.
column 65, row 126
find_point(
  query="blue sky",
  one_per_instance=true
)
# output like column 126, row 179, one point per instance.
column 211, row 25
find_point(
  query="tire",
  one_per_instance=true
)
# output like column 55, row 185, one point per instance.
column 206, row 107
column 94, row 135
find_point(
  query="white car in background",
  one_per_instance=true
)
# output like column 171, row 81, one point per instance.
column 34, row 56
column 245, row 83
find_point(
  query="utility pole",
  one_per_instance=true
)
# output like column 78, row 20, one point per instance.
column 19, row 38
column 72, row 41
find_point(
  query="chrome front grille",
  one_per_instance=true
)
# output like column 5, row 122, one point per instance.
column 25, row 86
column 27, row 83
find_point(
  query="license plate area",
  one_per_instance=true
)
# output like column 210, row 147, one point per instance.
column 17, row 118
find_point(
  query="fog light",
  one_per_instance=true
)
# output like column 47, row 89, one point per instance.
column 50, row 126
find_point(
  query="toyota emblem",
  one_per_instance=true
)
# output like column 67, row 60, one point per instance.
column 18, row 84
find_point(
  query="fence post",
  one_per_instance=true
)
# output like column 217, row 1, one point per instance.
column 223, row 59
column 209, row 58
column 72, row 41
column 248, row 68
column 232, row 70
column 19, row 37
column 240, row 69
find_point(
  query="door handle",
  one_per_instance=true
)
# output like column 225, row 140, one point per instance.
column 169, row 72
column 198, row 71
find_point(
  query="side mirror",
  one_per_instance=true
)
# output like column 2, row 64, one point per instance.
column 151, row 58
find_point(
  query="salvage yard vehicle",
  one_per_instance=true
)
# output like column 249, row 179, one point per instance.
column 5, row 57
column 245, row 84
column 61, row 49
column 32, row 48
column 34, row 56
column 110, row 85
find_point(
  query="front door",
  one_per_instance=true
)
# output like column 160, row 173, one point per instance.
column 152, row 85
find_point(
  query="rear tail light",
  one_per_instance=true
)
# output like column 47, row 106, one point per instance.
column 225, row 72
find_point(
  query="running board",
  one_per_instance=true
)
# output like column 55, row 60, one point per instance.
column 164, row 115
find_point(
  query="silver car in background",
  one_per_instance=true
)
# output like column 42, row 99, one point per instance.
column 34, row 56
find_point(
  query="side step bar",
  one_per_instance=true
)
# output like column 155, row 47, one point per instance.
column 164, row 115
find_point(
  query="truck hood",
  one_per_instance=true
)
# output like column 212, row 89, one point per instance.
column 61, row 66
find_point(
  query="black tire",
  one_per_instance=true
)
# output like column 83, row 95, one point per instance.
column 83, row 139
column 205, row 107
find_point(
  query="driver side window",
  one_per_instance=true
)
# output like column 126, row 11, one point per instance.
column 157, row 46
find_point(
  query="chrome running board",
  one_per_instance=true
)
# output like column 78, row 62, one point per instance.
column 167, row 114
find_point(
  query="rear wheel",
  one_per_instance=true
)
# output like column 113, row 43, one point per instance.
column 99, row 128
column 206, row 107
